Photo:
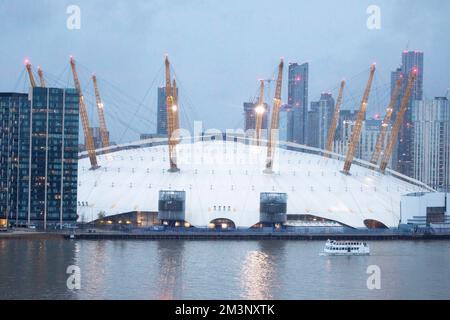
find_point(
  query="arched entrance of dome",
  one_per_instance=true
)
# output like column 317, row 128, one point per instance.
column 222, row 224
column 374, row 224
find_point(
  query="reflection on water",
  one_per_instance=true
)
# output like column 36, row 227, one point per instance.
column 170, row 266
column 259, row 275
column 35, row 269
column 92, row 259
column 171, row 269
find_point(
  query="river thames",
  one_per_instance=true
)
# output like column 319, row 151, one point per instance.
column 175, row 269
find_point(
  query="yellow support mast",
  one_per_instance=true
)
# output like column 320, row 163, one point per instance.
column 358, row 125
column 385, row 123
column 177, row 107
column 259, row 111
column 30, row 73
column 275, row 120
column 334, row 121
column 172, row 111
column 398, row 122
column 41, row 77
column 101, row 114
column 90, row 148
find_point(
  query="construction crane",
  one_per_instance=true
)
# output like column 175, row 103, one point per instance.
column 172, row 110
column 398, row 121
column 275, row 119
column 90, row 148
column 386, row 121
column 334, row 121
column 259, row 111
column 30, row 73
column 41, row 77
column 101, row 114
column 358, row 125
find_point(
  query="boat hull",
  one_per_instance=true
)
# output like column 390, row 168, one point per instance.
column 346, row 254
column 346, row 248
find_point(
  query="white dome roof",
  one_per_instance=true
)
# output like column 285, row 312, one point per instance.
column 225, row 179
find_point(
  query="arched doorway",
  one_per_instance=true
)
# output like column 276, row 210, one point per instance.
column 222, row 224
column 374, row 224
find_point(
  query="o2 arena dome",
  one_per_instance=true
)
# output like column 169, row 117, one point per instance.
column 223, row 181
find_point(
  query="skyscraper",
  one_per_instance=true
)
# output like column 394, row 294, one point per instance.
column 411, row 60
column 369, row 135
column 395, row 75
column 431, row 138
column 313, row 128
column 403, row 155
column 285, row 113
column 321, row 116
column 367, row 141
column 95, row 132
column 161, row 112
column 250, row 116
column 11, row 106
column 43, row 163
column 345, row 115
column 347, row 119
column 298, row 100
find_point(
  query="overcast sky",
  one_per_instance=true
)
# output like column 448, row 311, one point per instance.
column 219, row 49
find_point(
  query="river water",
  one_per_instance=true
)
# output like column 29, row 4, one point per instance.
column 176, row 269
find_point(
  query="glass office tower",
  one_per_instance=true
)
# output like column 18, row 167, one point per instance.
column 47, row 157
column 298, row 100
column 11, row 104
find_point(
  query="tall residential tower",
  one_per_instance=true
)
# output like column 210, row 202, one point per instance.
column 40, row 136
column 321, row 115
column 403, row 155
column 298, row 101
column 431, row 139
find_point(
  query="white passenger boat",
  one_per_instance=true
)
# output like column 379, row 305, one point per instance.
column 346, row 248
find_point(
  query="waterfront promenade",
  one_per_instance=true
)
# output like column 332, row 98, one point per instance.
column 239, row 234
